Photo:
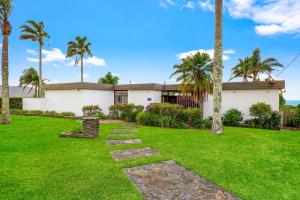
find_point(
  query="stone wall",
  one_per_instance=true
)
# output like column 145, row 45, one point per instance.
column 91, row 126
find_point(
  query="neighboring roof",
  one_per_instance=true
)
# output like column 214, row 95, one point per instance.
column 16, row 91
column 168, row 87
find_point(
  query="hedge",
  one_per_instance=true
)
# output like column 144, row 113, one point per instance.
column 14, row 103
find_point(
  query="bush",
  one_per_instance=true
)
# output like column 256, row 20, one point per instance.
column 207, row 123
column 14, row 103
column 193, row 117
column 148, row 119
column 91, row 110
column 264, row 117
column 127, row 112
column 260, row 110
column 297, row 115
column 232, row 117
column 67, row 114
column 77, row 130
column 42, row 113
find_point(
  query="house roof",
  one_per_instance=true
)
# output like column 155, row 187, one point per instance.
column 16, row 91
column 278, row 85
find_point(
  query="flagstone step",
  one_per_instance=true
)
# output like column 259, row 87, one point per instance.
column 168, row 180
column 123, row 142
column 122, row 135
column 132, row 153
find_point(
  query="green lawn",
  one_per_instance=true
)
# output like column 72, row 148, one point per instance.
column 36, row 164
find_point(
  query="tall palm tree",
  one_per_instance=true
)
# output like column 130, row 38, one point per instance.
column 35, row 31
column 195, row 76
column 30, row 77
column 218, row 69
column 262, row 66
column 5, row 10
column 79, row 48
column 243, row 69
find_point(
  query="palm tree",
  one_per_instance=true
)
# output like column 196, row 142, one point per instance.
column 262, row 66
column 30, row 77
column 218, row 69
column 195, row 76
column 5, row 10
column 79, row 48
column 109, row 78
column 243, row 69
column 35, row 31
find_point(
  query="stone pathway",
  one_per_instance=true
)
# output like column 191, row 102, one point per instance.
column 133, row 153
column 165, row 180
column 122, row 135
column 123, row 142
column 168, row 180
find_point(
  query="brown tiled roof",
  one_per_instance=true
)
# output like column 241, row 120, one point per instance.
column 169, row 87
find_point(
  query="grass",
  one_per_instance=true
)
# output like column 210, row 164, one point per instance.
column 36, row 164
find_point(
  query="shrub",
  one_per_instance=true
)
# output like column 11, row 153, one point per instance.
column 14, row 103
column 67, row 114
column 91, row 110
column 260, row 110
column 207, row 123
column 77, row 130
column 148, row 119
column 297, row 115
column 193, row 117
column 232, row 117
column 127, row 112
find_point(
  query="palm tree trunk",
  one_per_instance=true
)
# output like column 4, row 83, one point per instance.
column 81, row 69
column 5, row 86
column 254, row 76
column 218, row 69
column 40, row 72
column 245, row 78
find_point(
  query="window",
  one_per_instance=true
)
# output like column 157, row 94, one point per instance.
column 121, row 97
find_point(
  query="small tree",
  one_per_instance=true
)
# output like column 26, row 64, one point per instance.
column 260, row 110
column 109, row 78
column 30, row 77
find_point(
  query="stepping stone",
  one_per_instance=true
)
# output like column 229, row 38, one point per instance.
column 122, row 142
column 132, row 153
column 168, row 180
column 123, row 131
column 122, row 135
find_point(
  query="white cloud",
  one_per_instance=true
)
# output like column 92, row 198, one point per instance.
column 31, row 52
column 56, row 55
column 189, row 5
column 210, row 52
column 272, row 16
column 166, row 3
column 206, row 5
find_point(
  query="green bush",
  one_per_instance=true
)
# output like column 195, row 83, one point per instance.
column 260, row 110
column 127, row 112
column 67, row 114
column 297, row 115
column 264, row 117
column 207, row 123
column 41, row 113
column 193, row 117
column 77, row 130
column 232, row 117
column 91, row 110
column 14, row 103
column 148, row 119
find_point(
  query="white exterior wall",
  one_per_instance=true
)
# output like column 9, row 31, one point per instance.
column 70, row 101
column 243, row 100
column 104, row 99
column 140, row 97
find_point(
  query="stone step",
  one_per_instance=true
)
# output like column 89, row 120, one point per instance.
column 168, row 180
column 132, row 153
column 123, row 142
column 122, row 135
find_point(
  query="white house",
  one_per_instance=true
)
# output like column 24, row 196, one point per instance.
column 71, row 97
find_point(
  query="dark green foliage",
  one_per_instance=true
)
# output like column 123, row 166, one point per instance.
column 264, row 117
column 42, row 113
column 297, row 116
column 282, row 101
column 109, row 78
column 127, row 112
column 172, row 116
column 91, row 111
column 77, row 130
column 232, row 117
column 14, row 103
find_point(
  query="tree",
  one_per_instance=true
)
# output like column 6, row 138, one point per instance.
column 5, row 10
column 79, row 48
column 35, row 31
column 262, row 66
column 109, row 79
column 195, row 76
column 243, row 69
column 30, row 78
column 218, row 69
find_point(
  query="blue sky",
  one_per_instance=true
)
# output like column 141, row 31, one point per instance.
column 141, row 40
